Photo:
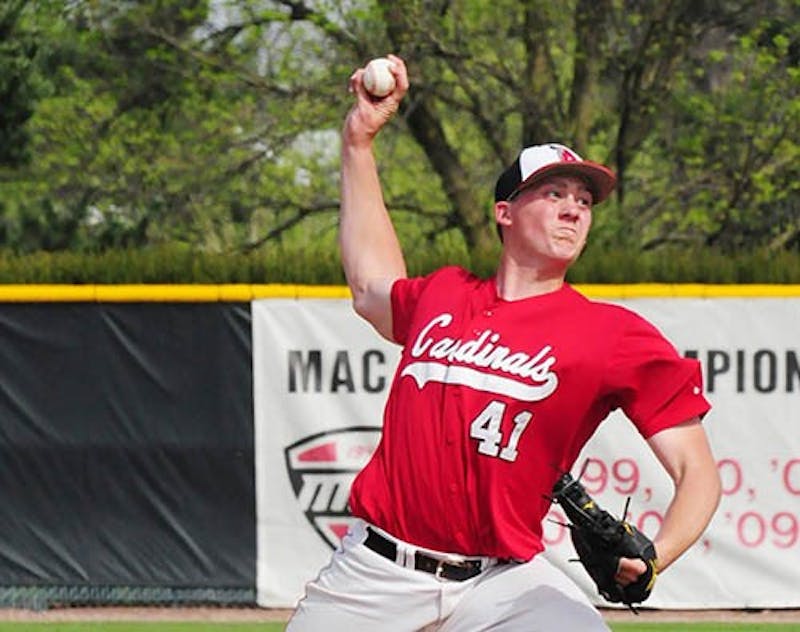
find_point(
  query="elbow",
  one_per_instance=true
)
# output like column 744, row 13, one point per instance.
column 362, row 298
column 366, row 306
column 374, row 306
column 361, row 303
column 701, row 476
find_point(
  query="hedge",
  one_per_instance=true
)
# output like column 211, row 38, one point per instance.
column 322, row 266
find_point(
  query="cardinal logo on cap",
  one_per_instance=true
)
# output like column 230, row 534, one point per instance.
column 566, row 155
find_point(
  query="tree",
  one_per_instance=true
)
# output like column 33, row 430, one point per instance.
column 19, row 88
column 216, row 123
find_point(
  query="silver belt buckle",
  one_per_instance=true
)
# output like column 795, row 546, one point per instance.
column 440, row 564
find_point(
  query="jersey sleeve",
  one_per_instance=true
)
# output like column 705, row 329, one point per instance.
column 406, row 295
column 655, row 386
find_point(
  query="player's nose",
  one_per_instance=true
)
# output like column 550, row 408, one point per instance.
column 570, row 208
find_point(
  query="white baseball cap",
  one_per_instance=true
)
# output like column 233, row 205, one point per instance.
column 539, row 161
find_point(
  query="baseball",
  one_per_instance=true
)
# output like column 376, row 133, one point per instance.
column 378, row 79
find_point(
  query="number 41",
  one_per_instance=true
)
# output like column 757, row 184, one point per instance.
column 486, row 428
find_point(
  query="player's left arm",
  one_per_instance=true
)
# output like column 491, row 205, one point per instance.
column 685, row 454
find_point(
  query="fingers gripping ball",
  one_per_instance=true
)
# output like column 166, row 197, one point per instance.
column 378, row 78
column 600, row 541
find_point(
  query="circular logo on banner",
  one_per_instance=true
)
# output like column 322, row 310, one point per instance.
column 321, row 469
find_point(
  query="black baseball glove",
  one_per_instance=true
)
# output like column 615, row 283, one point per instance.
column 600, row 541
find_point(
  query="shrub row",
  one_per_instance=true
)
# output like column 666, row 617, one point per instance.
column 322, row 267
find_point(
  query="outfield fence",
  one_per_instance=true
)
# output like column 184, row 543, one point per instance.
column 193, row 445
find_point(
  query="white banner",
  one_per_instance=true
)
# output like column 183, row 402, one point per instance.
column 321, row 376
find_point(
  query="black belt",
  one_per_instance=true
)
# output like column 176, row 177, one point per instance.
column 457, row 571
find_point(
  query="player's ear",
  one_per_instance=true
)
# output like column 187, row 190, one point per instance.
column 502, row 213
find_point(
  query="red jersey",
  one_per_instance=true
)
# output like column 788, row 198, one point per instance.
column 493, row 399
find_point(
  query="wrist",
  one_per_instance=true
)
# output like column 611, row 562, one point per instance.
column 357, row 152
column 663, row 559
column 356, row 143
column 355, row 134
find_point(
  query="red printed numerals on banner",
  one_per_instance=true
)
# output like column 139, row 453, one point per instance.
column 790, row 474
column 754, row 529
column 757, row 527
column 621, row 475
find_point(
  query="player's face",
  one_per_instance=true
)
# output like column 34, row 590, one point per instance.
column 550, row 220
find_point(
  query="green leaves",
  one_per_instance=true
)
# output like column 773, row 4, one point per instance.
column 214, row 125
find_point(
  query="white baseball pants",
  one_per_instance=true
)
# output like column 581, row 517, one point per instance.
column 361, row 590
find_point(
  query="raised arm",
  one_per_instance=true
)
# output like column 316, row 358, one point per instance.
column 371, row 254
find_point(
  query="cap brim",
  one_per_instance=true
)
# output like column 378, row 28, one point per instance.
column 600, row 178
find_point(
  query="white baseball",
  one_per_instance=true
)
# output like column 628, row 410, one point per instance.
column 378, row 79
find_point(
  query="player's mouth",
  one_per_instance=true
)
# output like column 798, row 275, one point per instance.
column 566, row 234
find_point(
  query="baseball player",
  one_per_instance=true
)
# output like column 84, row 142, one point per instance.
column 500, row 384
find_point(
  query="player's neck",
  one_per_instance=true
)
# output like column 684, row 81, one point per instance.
column 517, row 282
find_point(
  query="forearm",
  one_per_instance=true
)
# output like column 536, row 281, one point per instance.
column 696, row 497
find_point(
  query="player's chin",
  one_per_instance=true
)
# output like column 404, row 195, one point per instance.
column 566, row 251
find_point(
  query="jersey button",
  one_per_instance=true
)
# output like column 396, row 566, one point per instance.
column 453, row 488
column 487, row 312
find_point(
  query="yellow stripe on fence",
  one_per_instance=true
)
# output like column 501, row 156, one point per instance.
column 209, row 293
column 157, row 293
column 689, row 290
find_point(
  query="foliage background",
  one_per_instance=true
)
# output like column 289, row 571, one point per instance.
column 197, row 140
